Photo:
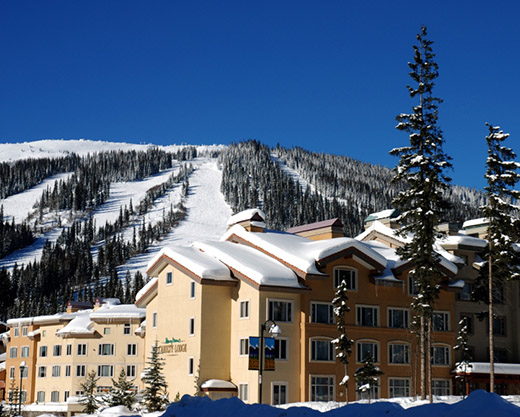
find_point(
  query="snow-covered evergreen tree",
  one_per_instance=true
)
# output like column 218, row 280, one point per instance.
column 155, row 392
column 422, row 204
column 343, row 344
column 502, row 260
column 122, row 392
column 462, row 345
column 89, row 399
column 366, row 376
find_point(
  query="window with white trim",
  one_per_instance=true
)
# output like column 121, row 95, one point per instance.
column 279, row 393
column 24, row 331
column 40, row 397
column 106, row 349
column 441, row 387
column 398, row 318
column 364, row 348
column 169, row 278
column 244, row 309
column 372, row 392
column 413, row 288
column 12, row 371
column 192, row 290
column 56, row 370
column 190, row 366
column 67, row 370
column 367, row 316
column 16, row 331
column 68, row 350
column 398, row 387
column 56, row 350
column 441, row 321
column 130, row 371
column 127, row 328
column 243, row 392
column 43, row 351
column 280, row 310
column 42, row 371
column 106, row 370
column 106, row 331
column 322, row 350
column 154, row 319
column 66, row 395
column 322, row 312
column 398, row 353
column 13, row 352
column 281, row 350
column 81, row 370
column 24, row 352
column 244, row 347
column 131, row 349
column 82, row 349
column 192, row 326
column 322, row 388
column 55, row 396
column 349, row 275
column 441, row 355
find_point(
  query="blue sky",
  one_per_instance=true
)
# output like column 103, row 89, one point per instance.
column 329, row 76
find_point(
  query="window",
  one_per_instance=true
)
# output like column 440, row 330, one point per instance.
column 192, row 326
column 322, row 388
column 80, row 393
column 398, row 318
column 67, row 370
column 499, row 326
column 372, row 392
column 244, row 347
column 413, row 288
column 40, row 397
column 130, row 370
column 82, row 349
column 42, row 371
column 56, row 370
column 127, row 328
column 56, row 350
column 68, row 350
column 43, row 351
column 322, row 350
column 106, row 330
column 192, row 290
column 279, row 393
column 66, row 395
column 398, row 353
column 367, row 316
column 465, row 293
column 55, row 396
column 441, row 321
column 347, row 275
column 16, row 332
column 280, row 348
column 154, row 320
column 25, row 372
column 11, row 372
column 498, row 294
column 441, row 387
column 322, row 313
column 190, row 366
column 398, row 387
column 243, row 392
column 106, row 349
column 80, row 370
column 131, row 349
column 367, row 348
column 500, row 355
column 13, row 352
column 24, row 352
column 24, row 331
column 280, row 311
column 440, row 355
column 469, row 322
column 105, row 370
column 169, row 278
column 244, row 309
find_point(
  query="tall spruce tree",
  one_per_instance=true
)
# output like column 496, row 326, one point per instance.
column 502, row 213
column 122, row 392
column 422, row 204
column 89, row 400
column 343, row 344
column 461, row 345
column 155, row 391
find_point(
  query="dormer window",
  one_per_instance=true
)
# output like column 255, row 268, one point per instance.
column 349, row 275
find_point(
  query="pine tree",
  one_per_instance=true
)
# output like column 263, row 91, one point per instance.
column 89, row 399
column 155, row 392
column 366, row 376
column 501, row 212
column 122, row 392
column 343, row 344
column 462, row 345
column 422, row 203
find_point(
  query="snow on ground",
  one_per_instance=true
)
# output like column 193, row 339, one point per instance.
column 206, row 219
column 20, row 205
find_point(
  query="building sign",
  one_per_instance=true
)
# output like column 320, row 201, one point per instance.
column 254, row 353
column 173, row 345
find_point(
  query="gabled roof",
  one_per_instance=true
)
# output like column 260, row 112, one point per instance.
column 254, row 214
column 314, row 226
column 303, row 255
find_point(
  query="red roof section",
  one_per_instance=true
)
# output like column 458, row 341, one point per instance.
column 318, row 225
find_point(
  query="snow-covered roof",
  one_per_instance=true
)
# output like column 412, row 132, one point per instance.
column 147, row 287
column 253, row 264
column 463, row 240
column 475, row 222
column 250, row 214
column 314, row 226
column 196, row 262
column 218, row 384
column 79, row 325
column 392, row 261
column 300, row 252
column 483, row 368
column 385, row 214
column 118, row 311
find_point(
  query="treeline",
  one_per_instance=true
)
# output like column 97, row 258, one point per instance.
column 23, row 174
